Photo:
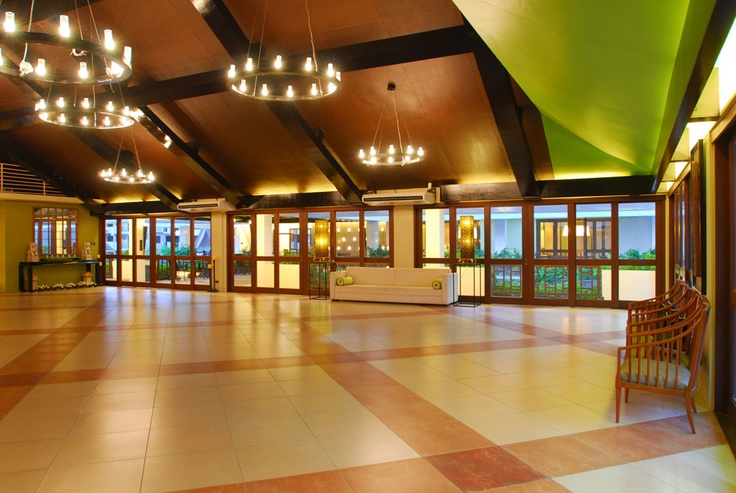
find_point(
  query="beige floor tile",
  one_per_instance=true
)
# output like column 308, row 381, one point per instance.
column 187, row 396
column 512, row 428
column 255, row 408
column 112, row 422
column 248, row 391
column 174, row 382
column 269, row 429
column 110, row 477
column 187, row 415
column 572, row 419
column 243, row 376
column 35, row 428
column 615, row 480
column 343, row 421
column 180, row 440
column 190, row 471
column 21, row 481
column 530, row 399
column 320, row 403
column 319, row 385
column 101, row 403
column 472, row 407
column 444, row 389
column 104, row 447
column 274, row 460
column 360, row 449
column 28, row 455
column 691, row 471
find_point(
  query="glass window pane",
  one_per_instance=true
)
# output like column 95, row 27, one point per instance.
column 376, row 233
column 265, row 269
column 289, row 234
column 182, row 236
column 111, row 269
column 435, row 233
column 550, row 231
column 593, row 230
column 126, row 238
column 264, row 235
column 143, row 270
column 242, row 235
column 111, row 236
column 163, row 270
column 636, row 231
column 202, row 272
column 289, row 275
column 241, row 270
column 163, row 236
column 470, row 246
column 347, row 233
column 506, row 280
column 550, row 282
column 143, row 237
column 126, row 270
column 636, row 282
column 183, row 271
column 506, row 232
column 202, row 236
column 593, row 282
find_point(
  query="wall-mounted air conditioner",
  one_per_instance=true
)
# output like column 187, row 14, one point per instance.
column 205, row 205
column 400, row 197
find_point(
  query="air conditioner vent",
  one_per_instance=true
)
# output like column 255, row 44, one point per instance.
column 205, row 205
column 400, row 197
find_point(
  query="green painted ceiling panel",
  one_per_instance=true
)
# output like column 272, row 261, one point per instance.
column 608, row 76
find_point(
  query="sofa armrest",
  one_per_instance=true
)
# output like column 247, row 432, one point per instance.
column 333, row 281
column 449, row 288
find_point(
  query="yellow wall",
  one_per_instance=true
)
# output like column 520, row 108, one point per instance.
column 16, row 226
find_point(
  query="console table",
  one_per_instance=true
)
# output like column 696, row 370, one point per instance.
column 25, row 271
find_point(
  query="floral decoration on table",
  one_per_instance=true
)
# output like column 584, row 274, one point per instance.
column 69, row 285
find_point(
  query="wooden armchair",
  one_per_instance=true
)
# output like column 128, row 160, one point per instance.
column 663, row 354
column 660, row 305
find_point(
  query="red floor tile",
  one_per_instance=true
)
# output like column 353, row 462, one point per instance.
column 406, row 476
column 323, row 482
column 441, row 438
column 560, row 456
column 483, row 469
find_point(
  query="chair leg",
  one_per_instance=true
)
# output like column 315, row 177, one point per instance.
column 618, row 402
column 689, row 409
column 626, row 396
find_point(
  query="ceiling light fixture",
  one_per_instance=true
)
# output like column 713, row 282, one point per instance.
column 79, row 65
column 284, row 79
column 115, row 175
column 391, row 156
column 89, row 63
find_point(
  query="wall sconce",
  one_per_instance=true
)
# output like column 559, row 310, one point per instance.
column 321, row 239
column 467, row 239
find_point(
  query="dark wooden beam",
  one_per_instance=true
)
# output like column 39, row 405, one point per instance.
column 300, row 200
column 222, row 24
column 195, row 162
column 109, row 154
column 595, row 187
column 318, row 150
column 151, row 207
column 724, row 13
column 401, row 49
column 500, row 92
column 450, row 194
column 14, row 153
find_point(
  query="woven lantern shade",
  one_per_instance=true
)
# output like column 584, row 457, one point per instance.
column 466, row 239
column 321, row 239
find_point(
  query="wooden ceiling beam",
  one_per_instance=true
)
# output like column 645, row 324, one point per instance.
column 721, row 20
column 101, row 148
column 195, row 162
column 235, row 42
column 597, row 187
column 500, row 92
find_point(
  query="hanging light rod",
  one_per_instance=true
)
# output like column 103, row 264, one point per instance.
column 121, row 175
column 97, row 64
column 284, row 79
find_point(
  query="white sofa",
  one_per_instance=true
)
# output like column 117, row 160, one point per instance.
column 395, row 285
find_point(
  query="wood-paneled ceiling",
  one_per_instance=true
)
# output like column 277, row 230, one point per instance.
column 482, row 114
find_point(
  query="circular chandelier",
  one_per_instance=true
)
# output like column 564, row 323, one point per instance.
column 84, row 114
column 93, row 63
column 284, row 80
column 392, row 155
column 121, row 175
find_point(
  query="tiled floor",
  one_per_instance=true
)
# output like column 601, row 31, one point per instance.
column 127, row 390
